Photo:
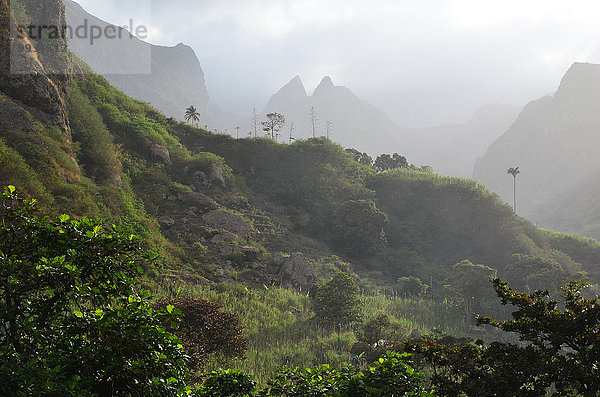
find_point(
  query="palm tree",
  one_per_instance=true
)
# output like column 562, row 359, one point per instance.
column 192, row 116
column 514, row 171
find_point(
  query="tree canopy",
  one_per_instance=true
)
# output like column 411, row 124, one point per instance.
column 71, row 318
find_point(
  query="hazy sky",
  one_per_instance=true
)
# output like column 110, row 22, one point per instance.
column 422, row 61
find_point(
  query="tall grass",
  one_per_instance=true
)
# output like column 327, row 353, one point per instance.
column 281, row 332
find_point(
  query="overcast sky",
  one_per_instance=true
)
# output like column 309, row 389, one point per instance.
column 424, row 62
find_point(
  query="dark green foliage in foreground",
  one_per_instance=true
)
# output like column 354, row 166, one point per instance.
column 70, row 319
column 560, row 348
column 389, row 376
column 338, row 302
column 231, row 383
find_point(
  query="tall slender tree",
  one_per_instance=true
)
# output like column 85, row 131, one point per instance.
column 292, row 128
column 514, row 171
column 312, row 115
column 255, row 122
column 329, row 127
column 274, row 124
column 192, row 116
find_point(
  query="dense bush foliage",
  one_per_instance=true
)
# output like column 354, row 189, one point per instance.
column 71, row 320
column 389, row 376
column 357, row 227
column 337, row 302
column 559, row 350
column 206, row 330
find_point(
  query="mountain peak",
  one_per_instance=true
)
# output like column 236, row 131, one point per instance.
column 294, row 88
column 324, row 86
column 582, row 80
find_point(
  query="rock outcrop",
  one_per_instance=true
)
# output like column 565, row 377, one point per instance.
column 169, row 78
column 35, row 72
column 296, row 271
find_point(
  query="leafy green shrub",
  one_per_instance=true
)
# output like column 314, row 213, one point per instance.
column 230, row 383
column 338, row 302
column 389, row 376
column 70, row 317
column 412, row 286
column 358, row 227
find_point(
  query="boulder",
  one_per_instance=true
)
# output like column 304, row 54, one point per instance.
column 160, row 153
column 229, row 222
column 296, row 271
column 216, row 178
column 166, row 221
column 198, row 200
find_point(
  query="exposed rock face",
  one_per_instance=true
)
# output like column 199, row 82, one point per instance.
column 216, row 179
column 296, row 271
column 171, row 78
column 230, row 222
column 38, row 78
column 161, row 153
column 554, row 143
column 198, row 199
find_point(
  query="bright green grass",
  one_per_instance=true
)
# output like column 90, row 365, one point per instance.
column 277, row 337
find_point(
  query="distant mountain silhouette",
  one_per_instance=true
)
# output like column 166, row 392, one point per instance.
column 353, row 122
column 555, row 143
column 449, row 149
column 175, row 79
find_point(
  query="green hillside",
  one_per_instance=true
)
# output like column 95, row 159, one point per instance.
column 257, row 226
column 126, row 163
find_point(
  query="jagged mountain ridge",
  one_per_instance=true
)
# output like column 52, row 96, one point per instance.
column 354, row 122
column 172, row 81
column 448, row 149
column 554, row 143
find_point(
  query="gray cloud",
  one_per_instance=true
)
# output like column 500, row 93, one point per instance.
column 422, row 61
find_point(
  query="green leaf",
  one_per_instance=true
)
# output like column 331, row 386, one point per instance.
column 170, row 308
column 63, row 218
column 78, row 313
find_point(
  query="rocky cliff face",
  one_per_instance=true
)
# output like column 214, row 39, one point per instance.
column 35, row 72
column 554, row 142
column 169, row 78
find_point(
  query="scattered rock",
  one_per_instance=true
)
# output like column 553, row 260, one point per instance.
column 200, row 179
column 161, row 153
column 300, row 315
column 198, row 200
column 229, row 222
column 216, row 178
column 166, row 221
column 224, row 238
column 296, row 271
column 251, row 254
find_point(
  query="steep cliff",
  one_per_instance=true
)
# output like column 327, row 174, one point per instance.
column 553, row 141
column 169, row 78
column 34, row 71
